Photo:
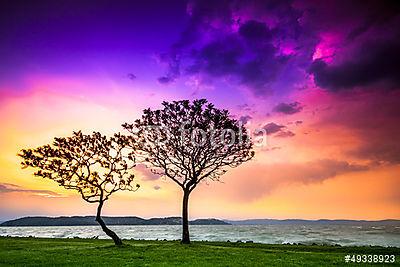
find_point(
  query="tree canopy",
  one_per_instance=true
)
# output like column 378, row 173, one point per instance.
column 94, row 165
column 189, row 142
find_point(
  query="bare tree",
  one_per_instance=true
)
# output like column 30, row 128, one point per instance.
column 94, row 165
column 189, row 142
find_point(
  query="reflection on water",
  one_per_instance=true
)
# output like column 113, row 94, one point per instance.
column 346, row 235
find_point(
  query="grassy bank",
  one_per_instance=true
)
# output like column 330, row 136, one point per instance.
column 41, row 251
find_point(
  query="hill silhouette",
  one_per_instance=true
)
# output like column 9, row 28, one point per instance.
column 90, row 220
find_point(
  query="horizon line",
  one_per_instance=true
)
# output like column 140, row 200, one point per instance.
column 197, row 218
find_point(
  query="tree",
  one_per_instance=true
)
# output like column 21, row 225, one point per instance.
column 189, row 142
column 94, row 165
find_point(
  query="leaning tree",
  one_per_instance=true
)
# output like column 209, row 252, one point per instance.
column 189, row 142
column 94, row 165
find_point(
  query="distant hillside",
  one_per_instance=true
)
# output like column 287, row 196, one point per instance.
column 322, row 221
column 90, row 220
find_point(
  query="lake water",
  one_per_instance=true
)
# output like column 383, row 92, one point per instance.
column 345, row 235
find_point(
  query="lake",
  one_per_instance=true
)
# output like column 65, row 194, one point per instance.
column 345, row 235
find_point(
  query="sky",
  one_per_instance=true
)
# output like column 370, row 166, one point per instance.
column 321, row 77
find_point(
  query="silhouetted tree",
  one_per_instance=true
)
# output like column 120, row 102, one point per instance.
column 94, row 165
column 189, row 142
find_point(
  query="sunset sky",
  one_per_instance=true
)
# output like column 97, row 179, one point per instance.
column 322, row 77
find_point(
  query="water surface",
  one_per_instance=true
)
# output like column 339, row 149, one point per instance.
column 345, row 235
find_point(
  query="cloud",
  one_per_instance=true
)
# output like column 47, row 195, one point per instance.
column 272, row 148
column 379, row 152
column 370, row 118
column 156, row 187
column 272, row 128
column 224, row 40
column 263, row 179
column 12, row 188
column 165, row 80
column 288, row 108
column 146, row 173
column 374, row 121
column 235, row 57
column 131, row 76
column 374, row 63
column 358, row 44
column 245, row 107
column 173, row 61
column 284, row 134
column 270, row 46
column 245, row 119
column 255, row 31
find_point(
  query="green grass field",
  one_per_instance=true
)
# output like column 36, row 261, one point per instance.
column 88, row 252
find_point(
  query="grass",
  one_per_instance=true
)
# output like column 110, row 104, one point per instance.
column 91, row 252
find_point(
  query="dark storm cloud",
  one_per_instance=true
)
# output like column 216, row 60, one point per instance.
column 202, row 13
column 374, row 62
column 269, row 45
column 255, row 31
column 367, row 54
column 247, row 56
column 288, row 108
column 379, row 15
column 218, row 58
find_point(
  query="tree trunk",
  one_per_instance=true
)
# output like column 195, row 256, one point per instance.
column 185, row 218
column 110, row 233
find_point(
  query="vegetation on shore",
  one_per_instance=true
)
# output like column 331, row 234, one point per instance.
column 46, row 251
